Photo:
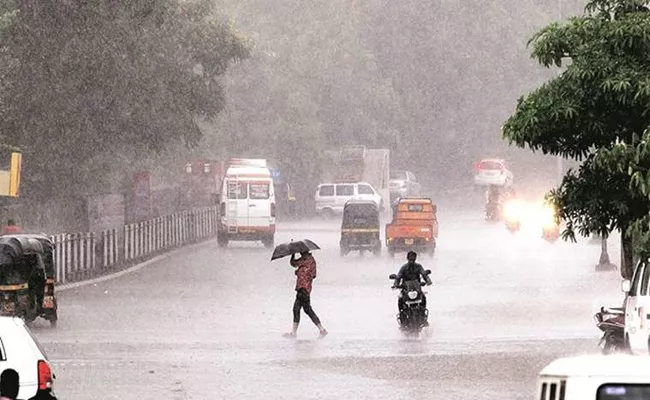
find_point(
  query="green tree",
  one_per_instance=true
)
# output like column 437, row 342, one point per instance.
column 92, row 79
column 600, row 98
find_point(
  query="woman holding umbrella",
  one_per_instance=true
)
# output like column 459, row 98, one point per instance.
column 305, row 274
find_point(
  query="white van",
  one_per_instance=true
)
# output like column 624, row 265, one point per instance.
column 330, row 198
column 247, row 203
column 637, row 310
column 597, row 377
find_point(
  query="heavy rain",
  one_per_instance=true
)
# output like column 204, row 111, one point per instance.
column 220, row 199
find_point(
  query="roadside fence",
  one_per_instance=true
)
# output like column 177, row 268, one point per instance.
column 80, row 256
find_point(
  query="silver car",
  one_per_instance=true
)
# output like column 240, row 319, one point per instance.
column 403, row 184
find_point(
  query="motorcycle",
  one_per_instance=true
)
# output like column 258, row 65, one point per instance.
column 493, row 211
column 611, row 321
column 414, row 313
column 551, row 233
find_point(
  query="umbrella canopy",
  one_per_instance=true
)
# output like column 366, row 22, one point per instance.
column 287, row 249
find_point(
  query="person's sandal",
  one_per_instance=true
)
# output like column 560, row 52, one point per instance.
column 323, row 333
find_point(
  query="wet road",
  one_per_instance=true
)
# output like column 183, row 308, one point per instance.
column 206, row 323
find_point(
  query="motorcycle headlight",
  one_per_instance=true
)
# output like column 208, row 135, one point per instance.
column 413, row 295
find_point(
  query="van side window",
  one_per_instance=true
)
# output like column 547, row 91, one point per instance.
column 543, row 394
column 365, row 189
column 551, row 394
column 344, row 190
column 326, row 191
column 634, row 289
column 237, row 191
column 3, row 355
column 562, row 390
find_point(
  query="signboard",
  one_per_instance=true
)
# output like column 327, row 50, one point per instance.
column 10, row 169
column 105, row 212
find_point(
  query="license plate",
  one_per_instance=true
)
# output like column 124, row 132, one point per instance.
column 48, row 302
column 414, row 302
column 408, row 241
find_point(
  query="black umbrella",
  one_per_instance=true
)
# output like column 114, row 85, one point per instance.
column 287, row 249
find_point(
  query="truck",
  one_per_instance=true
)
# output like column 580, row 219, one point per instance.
column 351, row 164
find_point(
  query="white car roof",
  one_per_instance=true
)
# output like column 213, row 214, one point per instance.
column 345, row 183
column 600, row 365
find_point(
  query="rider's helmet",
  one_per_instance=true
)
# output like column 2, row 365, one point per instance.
column 411, row 256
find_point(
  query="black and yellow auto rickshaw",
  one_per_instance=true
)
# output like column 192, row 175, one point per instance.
column 360, row 227
column 27, row 277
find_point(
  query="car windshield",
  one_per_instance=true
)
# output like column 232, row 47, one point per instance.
column 398, row 175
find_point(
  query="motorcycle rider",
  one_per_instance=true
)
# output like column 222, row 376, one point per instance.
column 492, row 200
column 411, row 271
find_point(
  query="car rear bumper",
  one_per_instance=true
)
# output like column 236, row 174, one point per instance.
column 489, row 180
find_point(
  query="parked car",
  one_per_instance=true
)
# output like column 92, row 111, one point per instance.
column 403, row 184
column 19, row 350
column 330, row 198
column 492, row 171
column 595, row 376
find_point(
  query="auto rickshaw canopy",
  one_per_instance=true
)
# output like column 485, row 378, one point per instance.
column 47, row 249
column 360, row 214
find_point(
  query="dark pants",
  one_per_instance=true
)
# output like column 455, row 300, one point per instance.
column 303, row 301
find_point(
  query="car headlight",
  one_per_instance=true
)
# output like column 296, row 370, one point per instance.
column 413, row 295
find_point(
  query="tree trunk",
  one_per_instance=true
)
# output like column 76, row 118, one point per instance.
column 627, row 256
column 604, row 256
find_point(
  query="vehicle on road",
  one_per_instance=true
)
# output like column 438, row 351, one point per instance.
column 27, row 278
column 247, row 211
column 597, row 377
column 414, row 226
column 355, row 164
column 637, row 309
column 550, row 224
column 330, row 198
column 360, row 227
column 611, row 321
column 403, row 184
column 513, row 210
column 19, row 350
column 492, row 171
column 415, row 313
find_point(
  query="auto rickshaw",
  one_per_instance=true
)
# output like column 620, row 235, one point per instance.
column 550, row 223
column 414, row 226
column 27, row 278
column 360, row 227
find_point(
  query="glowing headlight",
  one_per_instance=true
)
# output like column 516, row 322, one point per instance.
column 413, row 295
column 512, row 210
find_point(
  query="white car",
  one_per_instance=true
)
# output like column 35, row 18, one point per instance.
column 330, row 198
column 492, row 171
column 595, row 376
column 19, row 350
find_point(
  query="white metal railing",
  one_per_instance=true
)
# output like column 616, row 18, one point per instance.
column 79, row 256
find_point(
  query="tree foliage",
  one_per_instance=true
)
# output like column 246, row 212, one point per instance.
column 88, row 79
column 600, row 99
